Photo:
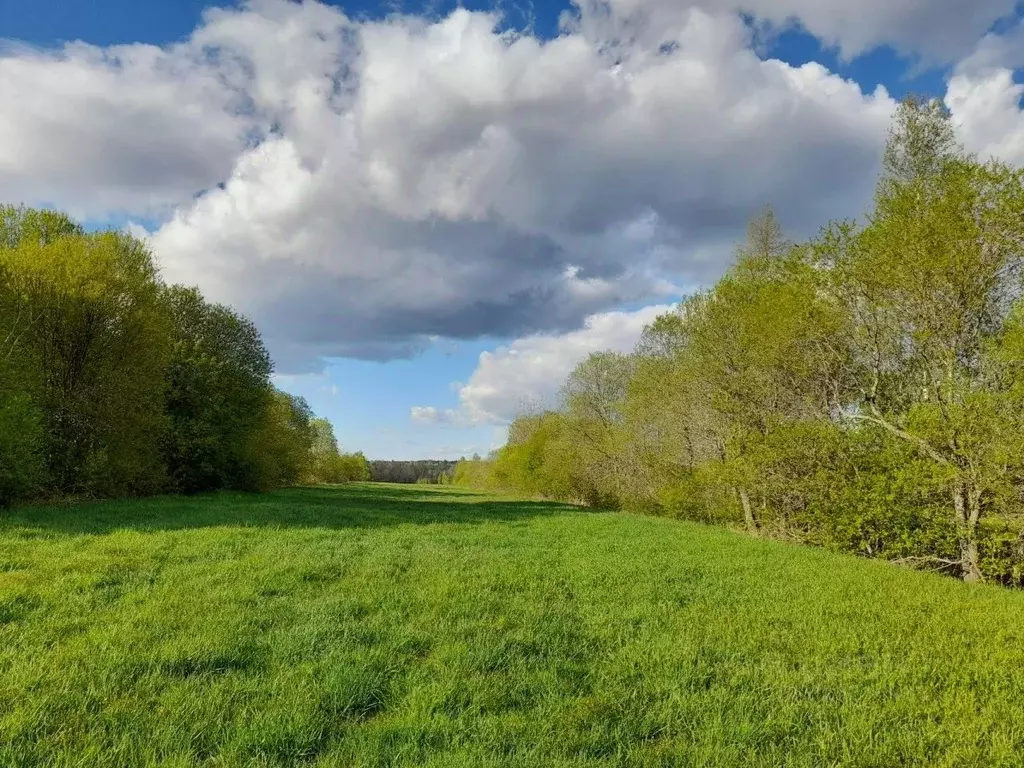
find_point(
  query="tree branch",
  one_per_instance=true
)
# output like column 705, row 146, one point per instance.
column 941, row 563
column 921, row 443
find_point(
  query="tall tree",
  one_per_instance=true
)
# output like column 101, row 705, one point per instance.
column 670, row 423
column 594, row 397
column 218, row 391
column 29, row 226
column 97, row 341
column 929, row 284
column 22, row 440
column 280, row 447
column 762, row 351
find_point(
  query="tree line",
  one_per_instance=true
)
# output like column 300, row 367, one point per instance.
column 113, row 383
column 862, row 391
column 426, row 471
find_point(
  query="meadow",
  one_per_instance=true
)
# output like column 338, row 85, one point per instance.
column 373, row 625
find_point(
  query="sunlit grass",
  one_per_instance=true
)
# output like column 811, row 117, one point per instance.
column 400, row 626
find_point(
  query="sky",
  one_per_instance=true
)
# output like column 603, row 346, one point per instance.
column 434, row 210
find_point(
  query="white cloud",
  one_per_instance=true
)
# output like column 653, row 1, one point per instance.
column 365, row 188
column 424, row 414
column 126, row 128
column 940, row 30
column 529, row 372
column 444, row 179
column 431, row 415
column 984, row 98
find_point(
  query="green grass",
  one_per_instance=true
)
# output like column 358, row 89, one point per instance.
column 400, row 626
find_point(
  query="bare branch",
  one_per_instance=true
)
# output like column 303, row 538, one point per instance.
column 938, row 563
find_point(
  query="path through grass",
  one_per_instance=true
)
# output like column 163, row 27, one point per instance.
column 405, row 626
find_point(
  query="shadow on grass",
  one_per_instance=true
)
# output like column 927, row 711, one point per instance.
column 352, row 506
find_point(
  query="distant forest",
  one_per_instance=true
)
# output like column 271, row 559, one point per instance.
column 425, row 471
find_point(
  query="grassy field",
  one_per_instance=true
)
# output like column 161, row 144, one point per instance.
column 400, row 626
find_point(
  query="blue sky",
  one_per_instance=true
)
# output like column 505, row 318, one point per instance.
column 640, row 244
column 370, row 402
column 113, row 22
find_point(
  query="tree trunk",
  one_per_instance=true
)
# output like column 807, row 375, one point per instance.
column 967, row 505
column 748, row 511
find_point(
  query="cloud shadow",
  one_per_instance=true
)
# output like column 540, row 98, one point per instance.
column 361, row 505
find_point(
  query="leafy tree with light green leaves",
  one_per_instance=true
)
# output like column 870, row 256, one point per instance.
column 280, row 448
column 23, row 443
column 113, row 384
column 22, row 438
column 543, row 457
column 594, row 396
column 96, row 341
column 327, row 464
column 355, row 467
column 760, row 354
column 929, row 284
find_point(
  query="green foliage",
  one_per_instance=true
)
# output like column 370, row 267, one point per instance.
column 22, row 443
column 113, row 384
column 218, row 386
column 96, row 339
column 472, row 473
column 281, row 447
column 326, row 464
column 27, row 226
column 411, row 626
column 355, row 468
column 929, row 285
column 543, row 459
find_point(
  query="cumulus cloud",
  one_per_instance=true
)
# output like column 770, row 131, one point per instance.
column 984, row 98
column 448, row 179
column 529, row 372
column 938, row 30
column 96, row 130
column 362, row 188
